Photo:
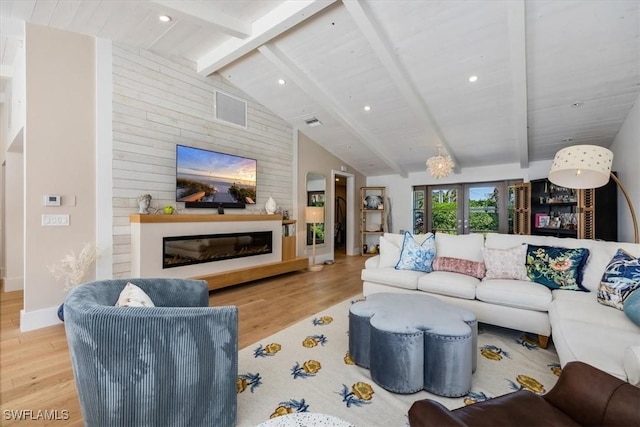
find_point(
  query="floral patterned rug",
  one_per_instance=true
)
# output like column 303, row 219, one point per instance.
column 307, row 367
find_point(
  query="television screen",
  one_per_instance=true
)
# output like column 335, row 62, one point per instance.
column 210, row 179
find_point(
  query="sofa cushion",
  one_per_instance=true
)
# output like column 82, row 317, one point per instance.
column 557, row 267
column 515, row 293
column 588, row 311
column 632, row 364
column 506, row 241
column 632, row 307
column 620, row 279
column 463, row 246
column 457, row 265
column 506, row 263
column 415, row 256
column 451, row 284
column 406, row 279
column 593, row 333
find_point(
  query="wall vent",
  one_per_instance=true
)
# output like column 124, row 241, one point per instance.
column 230, row 109
column 313, row 122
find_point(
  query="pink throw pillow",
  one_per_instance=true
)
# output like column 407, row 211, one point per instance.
column 457, row 265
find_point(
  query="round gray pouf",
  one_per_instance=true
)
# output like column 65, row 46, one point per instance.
column 413, row 342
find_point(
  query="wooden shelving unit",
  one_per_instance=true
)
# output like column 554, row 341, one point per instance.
column 372, row 218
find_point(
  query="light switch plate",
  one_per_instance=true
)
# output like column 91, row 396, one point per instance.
column 55, row 220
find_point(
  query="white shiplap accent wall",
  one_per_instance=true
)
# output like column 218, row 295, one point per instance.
column 158, row 103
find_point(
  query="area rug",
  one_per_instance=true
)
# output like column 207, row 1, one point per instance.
column 307, row 367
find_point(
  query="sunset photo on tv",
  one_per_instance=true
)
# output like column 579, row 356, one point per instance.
column 211, row 177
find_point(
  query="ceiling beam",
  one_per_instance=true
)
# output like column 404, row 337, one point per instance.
column 385, row 53
column 200, row 12
column 324, row 100
column 518, row 60
column 273, row 24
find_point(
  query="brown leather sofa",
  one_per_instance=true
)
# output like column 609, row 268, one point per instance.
column 583, row 396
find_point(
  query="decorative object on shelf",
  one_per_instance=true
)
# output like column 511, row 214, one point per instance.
column 168, row 210
column 220, row 209
column 144, row 200
column 441, row 165
column 373, row 202
column 588, row 166
column 542, row 220
column 270, row 206
column 314, row 215
column 373, row 227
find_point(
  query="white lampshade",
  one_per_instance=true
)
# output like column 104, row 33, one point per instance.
column 314, row 214
column 581, row 166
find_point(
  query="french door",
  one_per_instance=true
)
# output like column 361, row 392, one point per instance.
column 463, row 208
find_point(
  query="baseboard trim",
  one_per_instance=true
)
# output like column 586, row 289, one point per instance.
column 37, row 319
column 13, row 284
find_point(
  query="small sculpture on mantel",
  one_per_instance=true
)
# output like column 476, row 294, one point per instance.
column 144, row 200
column 270, row 206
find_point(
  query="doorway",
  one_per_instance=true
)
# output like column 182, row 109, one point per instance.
column 342, row 214
column 485, row 207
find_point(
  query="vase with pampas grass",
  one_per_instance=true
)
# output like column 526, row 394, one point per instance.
column 73, row 269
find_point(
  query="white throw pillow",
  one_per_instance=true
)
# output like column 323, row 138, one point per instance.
column 133, row 296
column 506, row 263
column 389, row 253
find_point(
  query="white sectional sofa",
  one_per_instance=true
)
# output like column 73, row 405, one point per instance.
column 582, row 328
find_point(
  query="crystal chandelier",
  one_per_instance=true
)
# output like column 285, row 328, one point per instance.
column 441, row 165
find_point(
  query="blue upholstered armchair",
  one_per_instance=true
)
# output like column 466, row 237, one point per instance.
column 175, row 364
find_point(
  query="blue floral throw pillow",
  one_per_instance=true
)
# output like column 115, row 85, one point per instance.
column 557, row 268
column 417, row 257
column 620, row 278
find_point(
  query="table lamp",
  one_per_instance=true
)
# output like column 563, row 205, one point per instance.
column 587, row 166
column 314, row 215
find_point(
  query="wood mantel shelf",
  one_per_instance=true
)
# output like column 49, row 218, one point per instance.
column 152, row 218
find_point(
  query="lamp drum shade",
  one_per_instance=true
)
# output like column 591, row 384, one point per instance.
column 581, row 166
column 314, row 214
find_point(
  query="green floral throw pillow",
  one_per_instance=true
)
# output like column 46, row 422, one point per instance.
column 557, row 268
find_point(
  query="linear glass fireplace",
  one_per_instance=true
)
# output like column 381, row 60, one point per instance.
column 186, row 250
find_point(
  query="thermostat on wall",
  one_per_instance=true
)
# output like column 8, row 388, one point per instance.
column 52, row 200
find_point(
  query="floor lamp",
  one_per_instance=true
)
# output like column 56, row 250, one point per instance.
column 314, row 215
column 587, row 166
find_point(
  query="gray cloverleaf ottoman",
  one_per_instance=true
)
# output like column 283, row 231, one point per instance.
column 414, row 342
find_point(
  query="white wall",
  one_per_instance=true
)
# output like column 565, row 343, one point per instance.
column 59, row 155
column 626, row 161
column 14, row 220
column 399, row 189
column 158, row 103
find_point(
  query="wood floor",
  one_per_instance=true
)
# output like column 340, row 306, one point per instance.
column 35, row 369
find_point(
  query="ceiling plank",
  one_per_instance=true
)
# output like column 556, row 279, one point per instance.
column 311, row 88
column 518, row 59
column 384, row 51
column 199, row 10
column 281, row 19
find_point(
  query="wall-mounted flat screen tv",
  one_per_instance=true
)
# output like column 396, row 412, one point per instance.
column 208, row 179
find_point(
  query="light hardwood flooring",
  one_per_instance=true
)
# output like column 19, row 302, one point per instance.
column 35, row 369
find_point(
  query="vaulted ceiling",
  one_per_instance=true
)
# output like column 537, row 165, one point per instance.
column 549, row 73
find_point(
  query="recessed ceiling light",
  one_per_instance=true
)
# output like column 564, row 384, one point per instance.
column 164, row 18
column 473, row 79
column 282, row 82
column 367, row 108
